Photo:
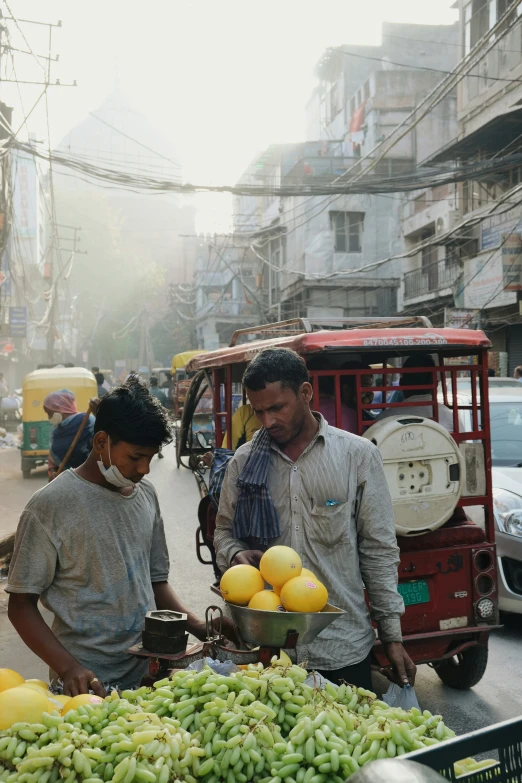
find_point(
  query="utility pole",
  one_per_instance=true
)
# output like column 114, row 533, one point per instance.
column 75, row 239
column 5, row 184
column 65, row 270
column 3, row 174
column 44, row 63
column 2, row 30
column 146, row 353
column 55, row 246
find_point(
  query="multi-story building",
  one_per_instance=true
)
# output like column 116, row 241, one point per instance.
column 22, row 294
column 318, row 249
column 480, row 271
column 122, row 230
column 430, row 275
column 227, row 290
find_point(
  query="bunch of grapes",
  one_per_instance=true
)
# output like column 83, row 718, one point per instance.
column 261, row 725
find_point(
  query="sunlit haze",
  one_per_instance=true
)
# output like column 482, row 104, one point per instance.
column 220, row 80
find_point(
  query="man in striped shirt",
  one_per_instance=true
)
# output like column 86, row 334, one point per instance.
column 333, row 507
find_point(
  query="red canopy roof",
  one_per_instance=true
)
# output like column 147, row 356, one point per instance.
column 430, row 339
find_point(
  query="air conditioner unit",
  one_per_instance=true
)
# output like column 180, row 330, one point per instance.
column 445, row 223
column 440, row 226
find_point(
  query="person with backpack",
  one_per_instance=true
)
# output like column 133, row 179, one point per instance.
column 60, row 407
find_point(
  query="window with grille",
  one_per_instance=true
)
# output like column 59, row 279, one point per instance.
column 348, row 229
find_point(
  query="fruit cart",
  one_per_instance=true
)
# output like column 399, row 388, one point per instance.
column 439, row 477
column 263, row 723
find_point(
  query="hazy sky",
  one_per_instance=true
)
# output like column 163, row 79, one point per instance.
column 221, row 78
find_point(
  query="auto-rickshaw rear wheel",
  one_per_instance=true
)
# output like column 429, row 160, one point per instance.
column 465, row 669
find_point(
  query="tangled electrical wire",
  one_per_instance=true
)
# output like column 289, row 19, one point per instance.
column 417, row 178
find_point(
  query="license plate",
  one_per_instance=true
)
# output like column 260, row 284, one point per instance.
column 414, row 592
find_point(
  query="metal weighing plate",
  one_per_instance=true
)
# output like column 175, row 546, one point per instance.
column 416, row 592
column 270, row 629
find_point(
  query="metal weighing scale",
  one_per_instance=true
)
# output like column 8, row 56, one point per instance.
column 269, row 632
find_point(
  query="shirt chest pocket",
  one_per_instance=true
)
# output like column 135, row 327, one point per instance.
column 329, row 525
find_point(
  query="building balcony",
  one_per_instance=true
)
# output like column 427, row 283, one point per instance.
column 430, row 280
column 502, row 61
column 419, row 213
column 316, row 170
column 213, row 279
column 227, row 308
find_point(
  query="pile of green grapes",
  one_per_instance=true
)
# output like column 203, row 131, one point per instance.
column 262, row 725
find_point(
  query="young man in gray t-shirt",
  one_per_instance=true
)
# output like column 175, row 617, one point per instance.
column 91, row 546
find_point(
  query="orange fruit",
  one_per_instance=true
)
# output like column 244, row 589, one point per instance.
column 35, row 687
column 279, row 564
column 41, row 683
column 303, row 594
column 240, row 583
column 56, row 702
column 80, row 701
column 21, row 705
column 308, row 573
column 61, row 698
column 266, row 600
column 9, row 679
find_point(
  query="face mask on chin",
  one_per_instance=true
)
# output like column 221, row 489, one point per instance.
column 113, row 475
column 56, row 419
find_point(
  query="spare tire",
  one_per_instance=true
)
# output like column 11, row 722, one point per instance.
column 424, row 471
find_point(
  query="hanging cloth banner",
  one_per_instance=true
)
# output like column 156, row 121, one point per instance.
column 511, row 249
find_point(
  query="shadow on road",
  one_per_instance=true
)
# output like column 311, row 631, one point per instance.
column 512, row 629
column 37, row 473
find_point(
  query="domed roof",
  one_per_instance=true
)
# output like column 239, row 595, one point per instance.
column 119, row 136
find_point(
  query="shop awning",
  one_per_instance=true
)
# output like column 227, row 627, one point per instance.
column 492, row 137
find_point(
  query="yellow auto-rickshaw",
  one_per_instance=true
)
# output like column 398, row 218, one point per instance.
column 36, row 426
column 180, row 379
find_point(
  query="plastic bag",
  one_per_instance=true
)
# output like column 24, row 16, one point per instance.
column 316, row 680
column 225, row 668
column 405, row 698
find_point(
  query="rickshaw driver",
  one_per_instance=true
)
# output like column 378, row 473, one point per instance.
column 322, row 491
column 92, row 545
column 422, row 360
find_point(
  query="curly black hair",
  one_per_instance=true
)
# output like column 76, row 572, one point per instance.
column 129, row 413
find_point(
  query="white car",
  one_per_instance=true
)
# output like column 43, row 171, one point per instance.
column 505, row 405
column 494, row 383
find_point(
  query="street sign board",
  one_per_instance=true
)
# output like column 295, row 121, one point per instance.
column 18, row 321
column 512, row 261
column 492, row 227
column 459, row 319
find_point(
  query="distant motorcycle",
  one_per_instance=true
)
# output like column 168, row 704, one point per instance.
column 11, row 409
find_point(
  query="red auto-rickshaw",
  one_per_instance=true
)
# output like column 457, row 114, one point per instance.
column 448, row 568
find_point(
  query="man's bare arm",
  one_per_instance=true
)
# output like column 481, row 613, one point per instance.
column 24, row 614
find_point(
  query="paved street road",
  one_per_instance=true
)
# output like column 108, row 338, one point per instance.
column 14, row 490
column 497, row 697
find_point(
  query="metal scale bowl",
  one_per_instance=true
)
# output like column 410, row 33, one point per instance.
column 268, row 631
column 276, row 629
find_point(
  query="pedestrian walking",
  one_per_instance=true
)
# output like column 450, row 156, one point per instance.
column 60, row 407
